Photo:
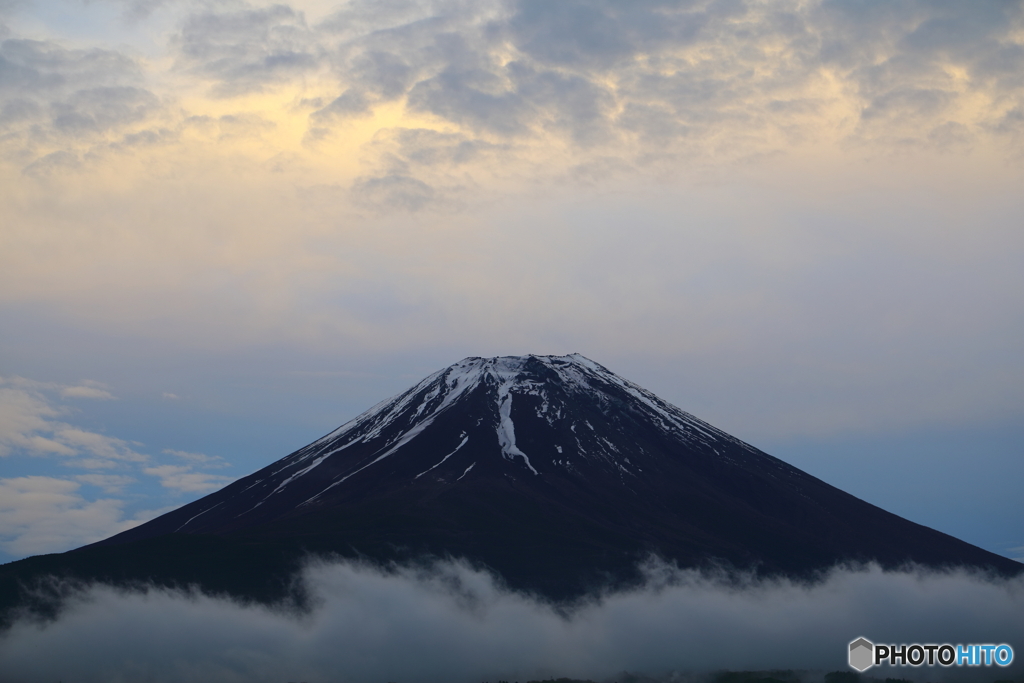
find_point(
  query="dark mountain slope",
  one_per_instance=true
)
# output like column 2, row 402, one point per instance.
column 552, row 471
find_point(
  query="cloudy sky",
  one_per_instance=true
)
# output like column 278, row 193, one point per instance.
column 228, row 227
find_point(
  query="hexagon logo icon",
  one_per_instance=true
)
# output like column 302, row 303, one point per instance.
column 862, row 654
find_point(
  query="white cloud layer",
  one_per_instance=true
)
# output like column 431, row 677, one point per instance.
column 452, row 624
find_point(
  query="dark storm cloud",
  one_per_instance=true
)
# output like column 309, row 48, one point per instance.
column 451, row 623
column 244, row 51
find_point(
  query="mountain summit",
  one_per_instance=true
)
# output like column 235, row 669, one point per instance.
column 558, row 474
column 558, row 427
column 553, row 471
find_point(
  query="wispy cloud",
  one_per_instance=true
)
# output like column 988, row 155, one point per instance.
column 27, row 422
column 110, row 483
column 53, row 513
column 46, row 514
column 202, row 459
column 95, row 390
column 185, row 479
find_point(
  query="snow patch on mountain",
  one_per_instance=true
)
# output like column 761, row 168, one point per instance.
column 507, row 377
column 465, row 440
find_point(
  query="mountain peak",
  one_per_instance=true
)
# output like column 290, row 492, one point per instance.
column 566, row 394
column 554, row 471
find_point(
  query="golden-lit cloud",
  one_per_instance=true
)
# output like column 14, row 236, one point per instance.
column 369, row 176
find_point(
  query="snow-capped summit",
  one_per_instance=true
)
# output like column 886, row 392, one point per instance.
column 552, row 397
column 564, row 420
column 553, row 471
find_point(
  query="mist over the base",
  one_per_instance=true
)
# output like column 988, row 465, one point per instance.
column 457, row 624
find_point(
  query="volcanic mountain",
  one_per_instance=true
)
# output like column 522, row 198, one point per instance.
column 552, row 471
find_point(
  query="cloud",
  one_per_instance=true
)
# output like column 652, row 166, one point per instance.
column 104, row 447
column 393, row 191
column 198, row 458
column 31, row 67
column 95, row 390
column 110, row 483
column 602, row 35
column 244, row 51
column 27, row 424
column 185, row 480
column 97, row 110
column 54, row 163
column 46, row 514
column 60, row 106
column 640, row 81
column 22, row 415
column 476, row 98
column 425, row 147
column 452, row 623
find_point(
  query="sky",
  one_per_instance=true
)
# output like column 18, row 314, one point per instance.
column 229, row 227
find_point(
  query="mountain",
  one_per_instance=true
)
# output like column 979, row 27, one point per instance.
column 551, row 470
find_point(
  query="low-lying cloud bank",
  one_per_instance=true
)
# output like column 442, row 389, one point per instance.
column 456, row 624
